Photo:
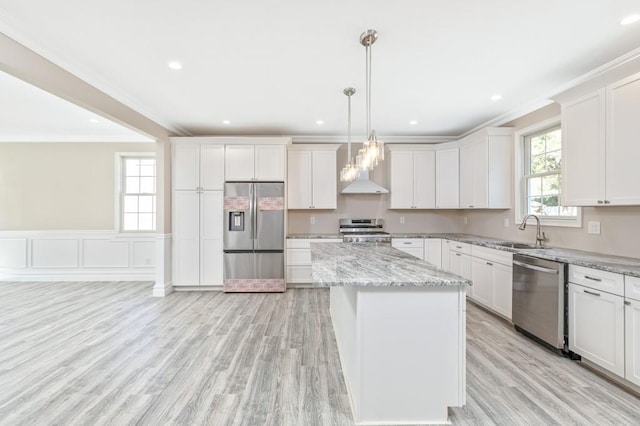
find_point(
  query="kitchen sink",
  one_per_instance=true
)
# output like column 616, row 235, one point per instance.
column 520, row 246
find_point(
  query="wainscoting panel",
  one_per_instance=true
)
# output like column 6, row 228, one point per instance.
column 13, row 253
column 105, row 253
column 144, row 254
column 54, row 253
column 76, row 256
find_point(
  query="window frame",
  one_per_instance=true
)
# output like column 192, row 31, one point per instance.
column 120, row 157
column 521, row 156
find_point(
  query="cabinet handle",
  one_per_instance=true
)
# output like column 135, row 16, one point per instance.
column 607, row 202
column 489, row 263
column 626, row 302
column 458, row 254
column 407, row 242
column 592, row 293
column 470, row 207
column 459, row 247
column 600, row 202
column 592, row 278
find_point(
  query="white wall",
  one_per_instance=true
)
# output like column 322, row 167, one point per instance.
column 59, row 186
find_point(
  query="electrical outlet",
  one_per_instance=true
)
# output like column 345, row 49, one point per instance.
column 465, row 220
column 594, row 228
column 505, row 223
column 401, row 219
column 313, row 220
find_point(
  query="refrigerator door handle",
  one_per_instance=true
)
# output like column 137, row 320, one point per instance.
column 255, row 210
column 251, row 210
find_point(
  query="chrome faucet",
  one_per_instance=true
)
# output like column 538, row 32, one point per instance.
column 540, row 237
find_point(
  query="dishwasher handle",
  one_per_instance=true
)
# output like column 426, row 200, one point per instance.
column 536, row 268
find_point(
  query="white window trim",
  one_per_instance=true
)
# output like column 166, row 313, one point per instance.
column 118, row 187
column 519, row 137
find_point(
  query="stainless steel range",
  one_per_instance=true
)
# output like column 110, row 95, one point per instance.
column 363, row 231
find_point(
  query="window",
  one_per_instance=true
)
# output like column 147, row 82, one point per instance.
column 541, row 173
column 137, row 207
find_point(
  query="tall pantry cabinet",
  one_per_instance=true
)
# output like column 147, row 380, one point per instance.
column 198, row 185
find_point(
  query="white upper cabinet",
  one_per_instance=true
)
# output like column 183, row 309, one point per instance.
column 447, row 178
column 622, row 145
column 412, row 178
column 485, row 169
column 600, row 132
column 312, row 177
column 583, row 144
column 198, row 167
column 255, row 162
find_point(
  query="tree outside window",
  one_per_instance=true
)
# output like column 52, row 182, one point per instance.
column 543, row 163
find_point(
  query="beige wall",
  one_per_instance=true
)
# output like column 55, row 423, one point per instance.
column 620, row 226
column 60, row 186
column 351, row 206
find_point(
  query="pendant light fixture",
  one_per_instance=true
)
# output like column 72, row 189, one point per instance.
column 372, row 149
column 350, row 170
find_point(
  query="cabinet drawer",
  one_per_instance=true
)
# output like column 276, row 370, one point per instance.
column 492, row 255
column 299, row 257
column 298, row 243
column 306, row 242
column 598, row 280
column 299, row 274
column 460, row 247
column 632, row 287
column 407, row 242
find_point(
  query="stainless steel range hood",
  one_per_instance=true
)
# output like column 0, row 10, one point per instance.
column 362, row 185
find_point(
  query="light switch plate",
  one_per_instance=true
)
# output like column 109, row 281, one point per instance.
column 505, row 223
column 594, row 228
column 465, row 220
column 313, row 220
column 401, row 219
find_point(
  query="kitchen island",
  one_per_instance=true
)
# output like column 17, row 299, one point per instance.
column 399, row 324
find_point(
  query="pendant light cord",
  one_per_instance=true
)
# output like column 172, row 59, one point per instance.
column 368, row 82
column 349, row 131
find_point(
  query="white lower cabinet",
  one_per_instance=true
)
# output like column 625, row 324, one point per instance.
column 298, row 260
column 491, row 272
column 412, row 246
column 460, row 264
column 596, row 327
column 433, row 251
column 632, row 329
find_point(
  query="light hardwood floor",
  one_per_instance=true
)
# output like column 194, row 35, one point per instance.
column 109, row 353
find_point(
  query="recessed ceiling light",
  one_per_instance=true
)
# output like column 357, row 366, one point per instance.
column 496, row 97
column 413, row 122
column 319, row 122
column 226, row 122
column 630, row 19
column 175, row 65
column 94, row 120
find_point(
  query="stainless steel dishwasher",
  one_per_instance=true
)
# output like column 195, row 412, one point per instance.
column 539, row 302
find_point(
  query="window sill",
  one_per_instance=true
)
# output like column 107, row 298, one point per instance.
column 561, row 223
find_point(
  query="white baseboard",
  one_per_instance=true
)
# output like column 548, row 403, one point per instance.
column 77, row 256
column 164, row 284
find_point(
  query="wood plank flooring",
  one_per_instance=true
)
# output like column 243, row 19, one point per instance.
column 107, row 353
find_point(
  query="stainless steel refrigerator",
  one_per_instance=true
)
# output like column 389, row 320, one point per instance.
column 254, row 237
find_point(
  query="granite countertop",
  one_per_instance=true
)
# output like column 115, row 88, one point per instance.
column 620, row 265
column 617, row 264
column 374, row 265
column 314, row 236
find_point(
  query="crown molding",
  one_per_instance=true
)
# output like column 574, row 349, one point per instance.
column 73, row 139
column 387, row 139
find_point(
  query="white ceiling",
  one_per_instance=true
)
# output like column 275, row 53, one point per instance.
column 277, row 67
